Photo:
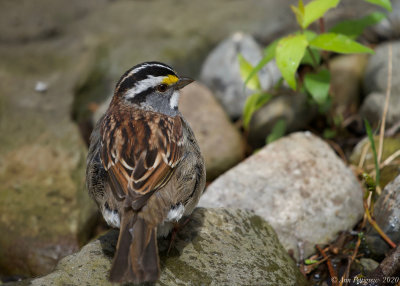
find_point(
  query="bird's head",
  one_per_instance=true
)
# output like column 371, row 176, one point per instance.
column 152, row 86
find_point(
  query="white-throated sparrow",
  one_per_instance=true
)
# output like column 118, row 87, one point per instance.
column 144, row 167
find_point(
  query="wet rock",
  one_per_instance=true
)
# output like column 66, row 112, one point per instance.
column 346, row 77
column 387, row 216
column 220, row 142
column 390, row 145
column 218, row 246
column 293, row 107
column 375, row 84
column 221, row 72
column 299, row 185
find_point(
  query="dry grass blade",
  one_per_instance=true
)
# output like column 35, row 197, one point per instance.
column 390, row 159
column 386, row 107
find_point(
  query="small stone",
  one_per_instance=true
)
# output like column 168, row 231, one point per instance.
column 41, row 86
column 368, row 265
column 299, row 185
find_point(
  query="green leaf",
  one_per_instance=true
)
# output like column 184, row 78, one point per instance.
column 310, row 56
column 318, row 85
column 245, row 70
column 310, row 261
column 372, row 142
column 310, row 35
column 277, row 131
column 269, row 54
column 354, row 28
column 329, row 133
column 383, row 3
column 288, row 53
column 316, row 9
column 253, row 103
column 339, row 43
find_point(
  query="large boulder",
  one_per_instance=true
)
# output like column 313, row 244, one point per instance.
column 299, row 185
column 217, row 246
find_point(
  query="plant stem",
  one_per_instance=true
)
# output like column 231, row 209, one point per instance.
column 312, row 57
column 386, row 107
column 376, row 226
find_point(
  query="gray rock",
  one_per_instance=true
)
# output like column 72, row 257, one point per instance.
column 299, row 185
column 216, row 247
column 293, row 107
column 221, row 72
column 389, row 27
column 387, row 216
column 373, row 106
column 375, row 84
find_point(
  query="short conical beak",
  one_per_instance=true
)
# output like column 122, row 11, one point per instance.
column 183, row 81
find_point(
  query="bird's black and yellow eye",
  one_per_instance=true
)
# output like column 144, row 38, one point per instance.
column 162, row 87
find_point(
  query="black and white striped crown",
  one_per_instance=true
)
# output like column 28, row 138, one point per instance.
column 144, row 74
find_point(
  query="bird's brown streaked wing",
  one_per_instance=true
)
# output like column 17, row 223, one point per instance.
column 139, row 154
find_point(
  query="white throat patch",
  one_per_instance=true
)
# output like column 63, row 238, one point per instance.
column 173, row 102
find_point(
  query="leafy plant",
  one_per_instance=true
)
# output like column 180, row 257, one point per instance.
column 307, row 47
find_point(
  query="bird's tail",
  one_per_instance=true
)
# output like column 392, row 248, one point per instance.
column 136, row 258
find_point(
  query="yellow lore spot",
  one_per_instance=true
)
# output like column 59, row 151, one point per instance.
column 170, row 79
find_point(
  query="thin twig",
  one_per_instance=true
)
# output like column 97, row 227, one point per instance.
column 351, row 260
column 376, row 226
column 386, row 107
column 332, row 271
column 338, row 149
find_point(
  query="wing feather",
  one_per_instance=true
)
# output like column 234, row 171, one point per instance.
column 139, row 156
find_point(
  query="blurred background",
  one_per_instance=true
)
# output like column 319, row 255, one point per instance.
column 59, row 62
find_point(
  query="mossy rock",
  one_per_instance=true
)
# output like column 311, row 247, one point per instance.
column 216, row 247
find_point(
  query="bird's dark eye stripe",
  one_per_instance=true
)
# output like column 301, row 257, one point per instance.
column 141, row 97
